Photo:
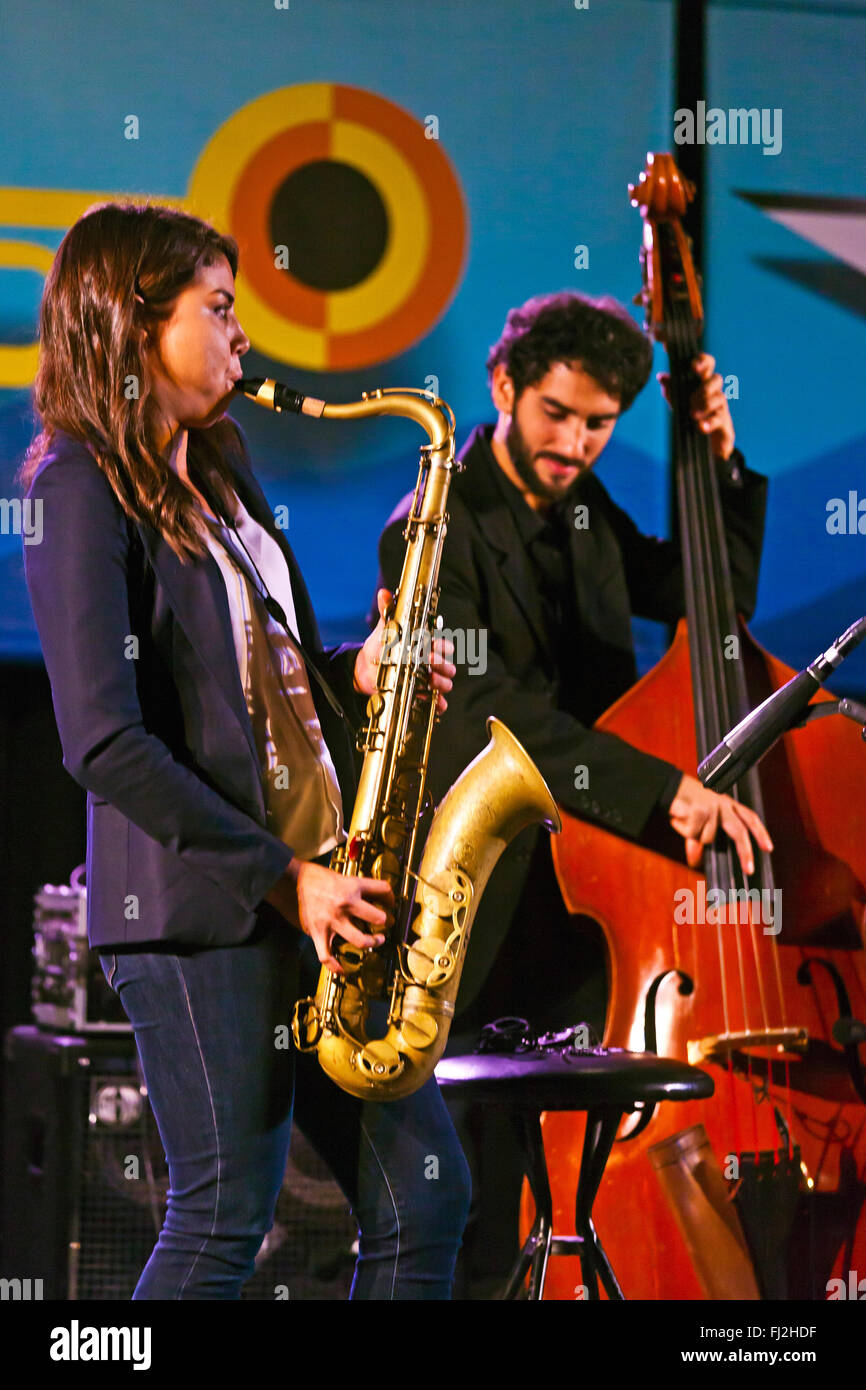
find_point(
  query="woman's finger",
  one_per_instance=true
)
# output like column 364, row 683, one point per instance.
column 356, row 936
column 441, row 682
column 375, row 888
column 364, row 912
column 694, row 851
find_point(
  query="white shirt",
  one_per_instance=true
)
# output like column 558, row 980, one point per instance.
column 272, row 566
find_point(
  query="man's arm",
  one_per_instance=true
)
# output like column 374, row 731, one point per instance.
column 653, row 567
column 593, row 774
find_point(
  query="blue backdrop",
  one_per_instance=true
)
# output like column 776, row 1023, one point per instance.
column 545, row 113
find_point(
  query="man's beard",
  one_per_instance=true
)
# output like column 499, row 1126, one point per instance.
column 518, row 452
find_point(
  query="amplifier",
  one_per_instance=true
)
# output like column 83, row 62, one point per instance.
column 85, row 1179
column 86, row 1182
column 69, row 991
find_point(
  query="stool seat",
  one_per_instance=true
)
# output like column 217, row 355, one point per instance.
column 606, row 1084
column 574, row 1081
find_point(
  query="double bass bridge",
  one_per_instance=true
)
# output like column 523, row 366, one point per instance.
column 718, row 1047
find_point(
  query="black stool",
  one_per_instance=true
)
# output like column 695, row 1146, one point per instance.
column 606, row 1086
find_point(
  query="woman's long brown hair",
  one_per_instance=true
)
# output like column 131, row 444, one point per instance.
column 92, row 380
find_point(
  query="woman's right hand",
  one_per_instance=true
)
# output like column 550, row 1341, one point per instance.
column 325, row 905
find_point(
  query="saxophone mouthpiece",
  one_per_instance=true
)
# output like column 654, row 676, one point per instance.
column 275, row 396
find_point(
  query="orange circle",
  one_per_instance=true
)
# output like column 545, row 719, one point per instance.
column 250, row 205
column 302, row 143
column 445, row 258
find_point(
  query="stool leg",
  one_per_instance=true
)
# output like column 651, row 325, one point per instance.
column 536, row 1248
column 601, row 1127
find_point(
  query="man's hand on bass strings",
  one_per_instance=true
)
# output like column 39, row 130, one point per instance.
column 709, row 405
column 698, row 814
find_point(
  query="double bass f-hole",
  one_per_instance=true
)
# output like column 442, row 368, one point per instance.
column 843, row 1003
column 685, row 986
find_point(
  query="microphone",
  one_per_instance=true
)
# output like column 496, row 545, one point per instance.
column 749, row 740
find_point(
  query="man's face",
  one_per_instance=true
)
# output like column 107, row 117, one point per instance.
column 554, row 432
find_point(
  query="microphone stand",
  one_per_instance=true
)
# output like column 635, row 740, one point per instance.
column 726, row 764
column 787, row 708
column 851, row 709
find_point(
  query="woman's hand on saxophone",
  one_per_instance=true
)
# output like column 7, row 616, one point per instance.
column 442, row 670
column 325, row 905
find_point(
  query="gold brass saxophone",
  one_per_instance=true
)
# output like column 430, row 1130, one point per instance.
column 416, row 972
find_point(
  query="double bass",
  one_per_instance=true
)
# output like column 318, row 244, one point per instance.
column 759, row 1191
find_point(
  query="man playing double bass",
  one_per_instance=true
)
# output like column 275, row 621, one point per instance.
column 540, row 560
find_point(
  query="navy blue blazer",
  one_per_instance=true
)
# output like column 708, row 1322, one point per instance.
column 177, row 845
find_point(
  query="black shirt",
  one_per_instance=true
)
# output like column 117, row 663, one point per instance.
column 548, row 538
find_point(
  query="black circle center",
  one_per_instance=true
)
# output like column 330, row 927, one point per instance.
column 333, row 222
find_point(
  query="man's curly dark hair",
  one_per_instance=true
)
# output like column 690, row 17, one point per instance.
column 598, row 335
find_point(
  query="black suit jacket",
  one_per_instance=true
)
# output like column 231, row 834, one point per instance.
column 487, row 582
column 177, row 847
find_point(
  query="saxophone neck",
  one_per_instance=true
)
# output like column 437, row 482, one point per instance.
column 434, row 416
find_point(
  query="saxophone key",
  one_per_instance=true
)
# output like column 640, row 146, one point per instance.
column 386, row 865
column 419, row 1032
column 378, row 1061
column 429, row 962
column 394, row 832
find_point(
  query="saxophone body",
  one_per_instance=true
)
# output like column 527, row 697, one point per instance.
column 380, row 1028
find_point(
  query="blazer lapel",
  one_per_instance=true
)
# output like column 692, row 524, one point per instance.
column 253, row 498
column 599, row 582
column 196, row 593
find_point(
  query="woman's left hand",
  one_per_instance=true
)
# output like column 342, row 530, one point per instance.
column 367, row 664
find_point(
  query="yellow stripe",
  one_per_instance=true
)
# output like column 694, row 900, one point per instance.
column 226, row 154
column 18, row 361
column 394, row 278
column 56, row 207
column 276, row 336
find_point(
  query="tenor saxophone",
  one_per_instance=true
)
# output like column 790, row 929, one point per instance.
column 380, row 1028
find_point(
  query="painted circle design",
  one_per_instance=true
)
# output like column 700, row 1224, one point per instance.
column 369, row 211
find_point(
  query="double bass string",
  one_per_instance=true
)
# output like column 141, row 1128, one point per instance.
column 698, row 578
column 722, row 698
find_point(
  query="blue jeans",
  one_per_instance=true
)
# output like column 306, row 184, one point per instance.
column 207, row 1023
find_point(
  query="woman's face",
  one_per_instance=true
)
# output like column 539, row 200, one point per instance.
column 194, row 357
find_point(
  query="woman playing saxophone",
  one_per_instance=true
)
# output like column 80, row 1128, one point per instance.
column 216, row 772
